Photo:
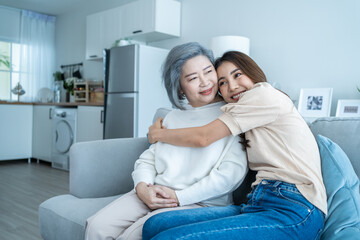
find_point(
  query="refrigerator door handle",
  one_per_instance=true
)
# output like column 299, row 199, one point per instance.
column 102, row 116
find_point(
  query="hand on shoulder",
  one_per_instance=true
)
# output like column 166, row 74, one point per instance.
column 154, row 131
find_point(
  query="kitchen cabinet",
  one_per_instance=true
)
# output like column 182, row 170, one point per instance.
column 137, row 18
column 111, row 27
column 42, row 132
column 90, row 122
column 93, row 36
column 15, row 131
column 26, row 131
column 141, row 20
column 102, row 30
column 151, row 20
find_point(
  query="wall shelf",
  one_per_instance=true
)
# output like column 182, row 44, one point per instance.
column 83, row 89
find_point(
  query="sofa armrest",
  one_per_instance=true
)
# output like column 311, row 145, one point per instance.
column 103, row 168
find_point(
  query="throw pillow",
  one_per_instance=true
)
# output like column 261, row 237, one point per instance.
column 342, row 189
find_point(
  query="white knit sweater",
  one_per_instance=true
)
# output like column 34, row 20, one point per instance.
column 199, row 175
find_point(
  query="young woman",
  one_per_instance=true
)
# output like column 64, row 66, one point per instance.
column 288, row 200
column 168, row 177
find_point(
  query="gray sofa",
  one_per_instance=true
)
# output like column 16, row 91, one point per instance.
column 100, row 171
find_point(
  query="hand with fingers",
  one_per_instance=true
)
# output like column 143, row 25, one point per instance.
column 153, row 130
column 155, row 196
column 170, row 192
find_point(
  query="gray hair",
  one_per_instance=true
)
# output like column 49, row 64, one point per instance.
column 172, row 68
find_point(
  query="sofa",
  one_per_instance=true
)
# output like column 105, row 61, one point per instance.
column 100, row 172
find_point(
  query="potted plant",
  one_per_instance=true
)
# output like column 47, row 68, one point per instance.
column 58, row 76
column 69, row 86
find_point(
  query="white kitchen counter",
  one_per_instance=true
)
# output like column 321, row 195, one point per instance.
column 26, row 128
column 61, row 104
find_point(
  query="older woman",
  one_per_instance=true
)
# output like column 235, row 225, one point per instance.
column 168, row 177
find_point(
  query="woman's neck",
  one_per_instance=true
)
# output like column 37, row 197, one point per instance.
column 217, row 99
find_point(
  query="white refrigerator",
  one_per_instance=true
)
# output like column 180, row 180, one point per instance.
column 133, row 89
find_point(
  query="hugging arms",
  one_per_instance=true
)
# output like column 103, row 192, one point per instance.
column 288, row 196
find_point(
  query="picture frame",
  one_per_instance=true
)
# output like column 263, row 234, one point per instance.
column 315, row 102
column 348, row 108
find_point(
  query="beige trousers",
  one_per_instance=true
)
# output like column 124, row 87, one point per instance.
column 123, row 218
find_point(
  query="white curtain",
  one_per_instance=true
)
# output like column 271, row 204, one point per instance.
column 37, row 53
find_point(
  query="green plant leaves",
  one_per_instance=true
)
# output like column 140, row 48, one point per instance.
column 5, row 60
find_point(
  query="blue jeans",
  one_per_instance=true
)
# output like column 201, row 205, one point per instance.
column 275, row 210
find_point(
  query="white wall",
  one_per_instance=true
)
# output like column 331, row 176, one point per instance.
column 299, row 44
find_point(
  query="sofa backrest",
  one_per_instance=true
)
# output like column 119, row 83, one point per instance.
column 161, row 112
column 343, row 131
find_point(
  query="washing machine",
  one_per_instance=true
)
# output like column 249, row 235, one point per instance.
column 64, row 135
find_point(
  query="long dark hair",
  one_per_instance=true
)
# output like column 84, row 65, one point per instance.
column 245, row 63
column 249, row 68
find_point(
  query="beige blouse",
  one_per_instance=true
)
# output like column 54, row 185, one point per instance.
column 282, row 147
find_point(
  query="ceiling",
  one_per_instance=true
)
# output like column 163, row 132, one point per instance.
column 51, row 7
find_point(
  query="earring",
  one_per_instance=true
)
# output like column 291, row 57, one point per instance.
column 182, row 95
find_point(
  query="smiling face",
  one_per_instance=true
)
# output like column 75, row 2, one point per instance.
column 198, row 81
column 232, row 82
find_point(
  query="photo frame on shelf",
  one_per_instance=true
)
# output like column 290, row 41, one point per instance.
column 315, row 102
column 348, row 108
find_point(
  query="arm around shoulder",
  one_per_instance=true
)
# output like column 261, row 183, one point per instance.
column 192, row 137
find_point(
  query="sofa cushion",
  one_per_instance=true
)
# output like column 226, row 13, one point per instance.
column 64, row 217
column 342, row 189
column 343, row 131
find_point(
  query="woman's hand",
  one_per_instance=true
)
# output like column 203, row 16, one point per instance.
column 155, row 196
column 170, row 192
column 154, row 130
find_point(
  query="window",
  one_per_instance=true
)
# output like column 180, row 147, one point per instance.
column 9, row 69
